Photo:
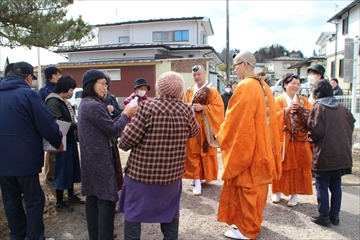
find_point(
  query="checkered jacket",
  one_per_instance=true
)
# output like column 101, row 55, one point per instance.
column 157, row 137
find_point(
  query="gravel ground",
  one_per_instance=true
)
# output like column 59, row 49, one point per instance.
column 198, row 217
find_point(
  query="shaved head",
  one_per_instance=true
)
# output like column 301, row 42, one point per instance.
column 246, row 56
column 244, row 63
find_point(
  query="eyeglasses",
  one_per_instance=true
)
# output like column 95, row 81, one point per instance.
column 238, row 64
column 195, row 68
column 104, row 84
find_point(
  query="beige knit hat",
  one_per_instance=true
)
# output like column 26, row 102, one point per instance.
column 170, row 83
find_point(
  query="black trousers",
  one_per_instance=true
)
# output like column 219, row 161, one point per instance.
column 100, row 218
column 132, row 230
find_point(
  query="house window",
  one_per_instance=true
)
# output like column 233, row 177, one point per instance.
column 114, row 74
column 163, row 36
column 286, row 65
column 341, row 68
column 333, row 69
column 205, row 40
column 345, row 25
column 124, row 39
column 181, row 35
column 171, row 36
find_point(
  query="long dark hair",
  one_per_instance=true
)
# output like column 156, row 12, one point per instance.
column 88, row 90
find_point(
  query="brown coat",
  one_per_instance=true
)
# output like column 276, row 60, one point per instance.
column 331, row 126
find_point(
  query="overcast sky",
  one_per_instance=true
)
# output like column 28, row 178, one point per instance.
column 253, row 24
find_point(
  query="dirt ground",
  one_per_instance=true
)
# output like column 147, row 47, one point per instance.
column 198, row 217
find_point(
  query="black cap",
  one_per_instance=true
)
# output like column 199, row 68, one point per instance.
column 141, row 82
column 317, row 68
column 24, row 68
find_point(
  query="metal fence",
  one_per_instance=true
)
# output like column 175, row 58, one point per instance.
column 346, row 100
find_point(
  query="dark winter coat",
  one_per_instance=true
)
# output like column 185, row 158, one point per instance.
column 226, row 97
column 95, row 127
column 46, row 90
column 338, row 91
column 331, row 126
column 111, row 100
column 24, row 122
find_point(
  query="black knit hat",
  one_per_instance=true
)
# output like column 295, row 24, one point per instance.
column 317, row 68
column 91, row 76
column 141, row 82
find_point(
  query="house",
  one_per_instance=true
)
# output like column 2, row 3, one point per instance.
column 280, row 66
column 146, row 48
column 347, row 25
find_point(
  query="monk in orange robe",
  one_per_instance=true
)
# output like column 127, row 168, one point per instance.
column 201, row 155
column 296, row 175
column 250, row 145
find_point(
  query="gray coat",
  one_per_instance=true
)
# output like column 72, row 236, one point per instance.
column 95, row 126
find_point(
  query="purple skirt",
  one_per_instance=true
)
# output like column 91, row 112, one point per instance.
column 150, row 203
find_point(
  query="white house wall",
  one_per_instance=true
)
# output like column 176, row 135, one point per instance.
column 353, row 27
column 112, row 55
column 143, row 33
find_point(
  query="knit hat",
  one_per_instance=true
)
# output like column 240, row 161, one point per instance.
column 141, row 82
column 317, row 68
column 170, row 83
column 49, row 71
column 91, row 76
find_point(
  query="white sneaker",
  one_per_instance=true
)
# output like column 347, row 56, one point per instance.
column 49, row 238
column 234, row 234
column 275, row 198
column 293, row 201
column 197, row 192
column 193, row 182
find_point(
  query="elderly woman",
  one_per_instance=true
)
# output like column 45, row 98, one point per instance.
column 141, row 87
column 99, row 157
column 67, row 166
column 331, row 126
column 296, row 152
column 157, row 137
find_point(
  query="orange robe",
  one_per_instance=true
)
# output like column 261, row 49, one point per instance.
column 200, row 164
column 251, row 156
column 296, row 175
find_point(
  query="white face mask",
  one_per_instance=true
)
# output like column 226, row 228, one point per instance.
column 312, row 80
column 227, row 90
column 141, row 93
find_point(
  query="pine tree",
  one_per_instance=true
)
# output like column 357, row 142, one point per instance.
column 41, row 23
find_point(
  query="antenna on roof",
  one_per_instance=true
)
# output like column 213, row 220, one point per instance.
column 116, row 14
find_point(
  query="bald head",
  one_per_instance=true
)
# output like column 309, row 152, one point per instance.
column 244, row 63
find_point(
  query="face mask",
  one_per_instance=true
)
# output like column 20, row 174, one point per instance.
column 227, row 90
column 312, row 80
column 141, row 93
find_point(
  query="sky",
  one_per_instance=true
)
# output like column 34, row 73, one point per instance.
column 295, row 24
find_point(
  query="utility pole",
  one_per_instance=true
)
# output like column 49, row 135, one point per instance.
column 227, row 62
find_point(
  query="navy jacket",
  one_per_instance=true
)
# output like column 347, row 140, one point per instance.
column 24, row 122
column 46, row 90
column 111, row 100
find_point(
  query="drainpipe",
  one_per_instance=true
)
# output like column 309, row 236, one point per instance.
column 197, row 32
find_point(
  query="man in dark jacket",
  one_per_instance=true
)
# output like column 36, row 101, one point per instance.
column 111, row 101
column 226, row 95
column 335, row 85
column 25, row 121
column 52, row 75
column 331, row 126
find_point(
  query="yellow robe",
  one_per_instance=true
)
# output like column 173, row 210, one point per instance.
column 251, row 156
column 200, row 165
column 296, row 175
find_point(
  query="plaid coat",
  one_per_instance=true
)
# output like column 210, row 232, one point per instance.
column 157, row 137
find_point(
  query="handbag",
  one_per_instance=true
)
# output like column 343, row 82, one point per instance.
column 117, row 164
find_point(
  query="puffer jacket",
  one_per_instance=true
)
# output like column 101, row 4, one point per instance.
column 331, row 126
column 24, row 122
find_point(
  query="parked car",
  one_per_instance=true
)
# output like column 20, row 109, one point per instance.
column 76, row 97
column 277, row 88
column 304, row 87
